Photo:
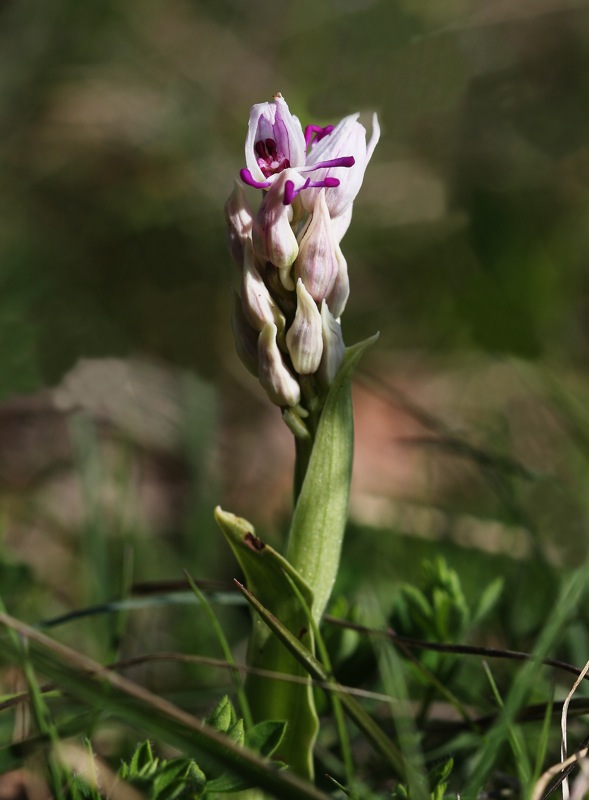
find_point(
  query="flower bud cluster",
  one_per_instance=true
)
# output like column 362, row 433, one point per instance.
column 294, row 277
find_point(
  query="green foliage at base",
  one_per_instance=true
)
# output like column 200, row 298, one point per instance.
column 183, row 778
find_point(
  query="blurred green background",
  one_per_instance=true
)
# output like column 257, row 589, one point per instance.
column 122, row 126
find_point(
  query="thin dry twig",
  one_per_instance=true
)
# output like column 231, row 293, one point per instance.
column 556, row 769
column 563, row 727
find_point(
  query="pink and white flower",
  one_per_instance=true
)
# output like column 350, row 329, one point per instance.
column 333, row 158
column 274, row 142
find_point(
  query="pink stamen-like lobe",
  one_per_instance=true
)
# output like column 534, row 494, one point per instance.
column 343, row 161
column 290, row 192
column 246, row 177
column 318, row 132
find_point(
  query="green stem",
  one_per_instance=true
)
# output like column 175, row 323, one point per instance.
column 323, row 473
column 304, row 447
column 303, row 450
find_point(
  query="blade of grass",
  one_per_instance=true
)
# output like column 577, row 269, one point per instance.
column 557, row 769
column 39, row 710
column 436, row 683
column 184, row 597
column 216, row 663
column 563, row 726
column 221, row 638
column 520, row 753
column 543, row 742
column 391, row 671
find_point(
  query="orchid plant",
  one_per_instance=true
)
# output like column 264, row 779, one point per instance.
column 287, row 327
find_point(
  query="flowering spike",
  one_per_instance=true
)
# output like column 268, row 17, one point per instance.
column 317, row 263
column 278, row 381
column 304, row 337
column 333, row 346
column 239, row 217
column 289, row 249
column 258, row 306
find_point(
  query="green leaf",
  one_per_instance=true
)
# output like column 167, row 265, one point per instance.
column 488, row 600
column 170, row 780
column 276, row 698
column 142, row 764
column 165, row 780
column 321, row 512
column 438, row 779
column 237, row 732
column 265, row 737
column 225, row 647
column 223, row 716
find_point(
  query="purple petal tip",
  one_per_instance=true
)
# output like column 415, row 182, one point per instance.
column 289, row 193
column 246, row 177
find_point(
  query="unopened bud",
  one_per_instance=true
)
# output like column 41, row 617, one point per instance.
column 334, row 348
column 304, row 337
column 340, row 291
column 273, row 237
column 278, row 381
column 240, row 219
column 318, row 261
column 258, row 306
column 246, row 338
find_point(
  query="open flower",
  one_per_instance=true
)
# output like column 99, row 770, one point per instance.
column 275, row 142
